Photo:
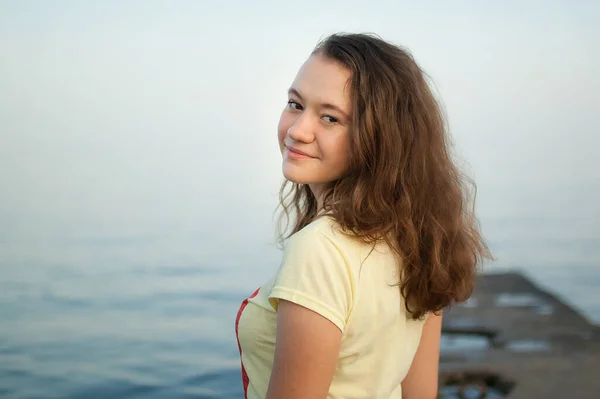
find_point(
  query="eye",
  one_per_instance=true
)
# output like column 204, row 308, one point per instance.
column 330, row 119
column 294, row 105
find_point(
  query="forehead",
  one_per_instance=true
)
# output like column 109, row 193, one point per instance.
column 323, row 80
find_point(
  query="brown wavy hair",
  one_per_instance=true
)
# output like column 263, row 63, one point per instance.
column 403, row 185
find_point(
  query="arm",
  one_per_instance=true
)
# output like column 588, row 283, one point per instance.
column 306, row 353
column 421, row 382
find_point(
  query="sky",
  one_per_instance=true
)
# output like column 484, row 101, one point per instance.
column 150, row 117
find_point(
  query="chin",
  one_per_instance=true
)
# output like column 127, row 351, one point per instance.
column 294, row 178
column 297, row 176
column 301, row 175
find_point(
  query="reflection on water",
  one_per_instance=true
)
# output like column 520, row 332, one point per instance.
column 517, row 300
column 475, row 385
column 463, row 343
column 469, row 392
column 528, row 345
column 524, row 300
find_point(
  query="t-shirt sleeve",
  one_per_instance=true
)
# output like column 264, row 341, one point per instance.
column 315, row 274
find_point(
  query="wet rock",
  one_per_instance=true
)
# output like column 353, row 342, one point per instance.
column 515, row 332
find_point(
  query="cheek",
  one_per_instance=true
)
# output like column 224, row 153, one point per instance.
column 339, row 155
column 342, row 150
column 282, row 128
column 347, row 150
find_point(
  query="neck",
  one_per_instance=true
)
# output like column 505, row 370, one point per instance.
column 317, row 190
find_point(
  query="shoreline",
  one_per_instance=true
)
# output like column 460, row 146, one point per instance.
column 514, row 339
column 545, row 288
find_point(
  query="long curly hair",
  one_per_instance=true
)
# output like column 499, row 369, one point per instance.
column 403, row 185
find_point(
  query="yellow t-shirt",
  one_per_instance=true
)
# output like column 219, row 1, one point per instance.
column 353, row 286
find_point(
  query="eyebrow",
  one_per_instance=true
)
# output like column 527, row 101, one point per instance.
column 324, row 105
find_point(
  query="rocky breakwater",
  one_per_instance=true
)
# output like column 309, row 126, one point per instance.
column 515, row 340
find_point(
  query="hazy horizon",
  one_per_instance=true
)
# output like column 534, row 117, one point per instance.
column 157, row 120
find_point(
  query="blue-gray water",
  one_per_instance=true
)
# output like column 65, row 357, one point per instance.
column 147, row 317
column 107, row 318
column 137, row 173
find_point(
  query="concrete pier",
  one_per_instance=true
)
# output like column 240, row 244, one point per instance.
column 515, row 340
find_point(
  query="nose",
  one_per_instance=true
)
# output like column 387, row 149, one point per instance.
column 302, row 129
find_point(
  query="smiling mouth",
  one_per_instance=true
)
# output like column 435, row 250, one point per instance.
column 298, row 153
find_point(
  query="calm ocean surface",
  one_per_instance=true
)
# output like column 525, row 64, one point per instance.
column 149, row 317
column 139, row 165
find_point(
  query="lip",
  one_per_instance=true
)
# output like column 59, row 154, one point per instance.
column 297, row 153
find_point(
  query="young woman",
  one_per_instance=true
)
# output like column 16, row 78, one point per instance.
column 384, row 236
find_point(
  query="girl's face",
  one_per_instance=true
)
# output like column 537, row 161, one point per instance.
column 314, row 126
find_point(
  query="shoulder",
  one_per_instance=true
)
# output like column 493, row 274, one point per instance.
column 324, row 243
column 316, row 273
column 322, row 232
column 318, row 240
